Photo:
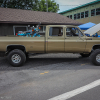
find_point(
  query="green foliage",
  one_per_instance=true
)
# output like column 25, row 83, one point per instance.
column 1, row 1
column 52, row 6
column 18, row 4
column 36, row 5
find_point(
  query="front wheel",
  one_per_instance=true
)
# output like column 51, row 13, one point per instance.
column 95, row 57
column 16, row 57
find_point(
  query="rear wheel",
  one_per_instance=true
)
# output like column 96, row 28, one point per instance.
column 95, row 57
column 85, row 55
column 16, row 57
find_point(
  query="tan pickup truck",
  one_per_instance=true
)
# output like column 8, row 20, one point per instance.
column 56, row 39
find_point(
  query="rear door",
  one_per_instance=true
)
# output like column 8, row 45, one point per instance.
column 55, row 39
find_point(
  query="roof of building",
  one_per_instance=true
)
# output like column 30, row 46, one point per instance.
column 8, row 15
column 80, row 6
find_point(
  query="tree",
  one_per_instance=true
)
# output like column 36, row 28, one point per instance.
column 36, row 5
column 52, row 6
column 18, row 4
column 1, row 2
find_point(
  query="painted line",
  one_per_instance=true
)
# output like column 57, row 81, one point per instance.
column 75, row 92
column 46, row 72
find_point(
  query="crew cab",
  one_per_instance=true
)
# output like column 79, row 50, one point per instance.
column 56, row 39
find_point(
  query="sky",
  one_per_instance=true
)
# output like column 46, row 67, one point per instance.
column 68, row 4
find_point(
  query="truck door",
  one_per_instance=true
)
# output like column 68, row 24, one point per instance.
column 74, row 40
column 55, row 39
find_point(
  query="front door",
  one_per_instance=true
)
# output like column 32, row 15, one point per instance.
column 75, row 41
column 55, row 40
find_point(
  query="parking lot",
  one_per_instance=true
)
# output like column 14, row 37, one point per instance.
column 47, row 76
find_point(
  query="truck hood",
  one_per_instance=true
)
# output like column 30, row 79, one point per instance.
column 91, row 31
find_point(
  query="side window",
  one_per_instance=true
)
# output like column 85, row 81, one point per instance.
column 93, row 12
column 86, row 13
column 56, row 31
column 72, row 31
column 98, row 11
column 82, row 14
column 78, row 16
column 75, row 17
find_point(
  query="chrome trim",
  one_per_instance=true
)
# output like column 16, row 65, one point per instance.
column 98, row 58
column 16, row 58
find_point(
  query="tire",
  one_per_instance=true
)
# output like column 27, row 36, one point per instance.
column 16, row 57
column 95, row 57
column 85, row 55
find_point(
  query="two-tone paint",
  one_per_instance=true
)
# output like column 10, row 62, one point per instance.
column 50, row 44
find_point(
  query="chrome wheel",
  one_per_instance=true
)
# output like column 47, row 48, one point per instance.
column 98, row 58
column 16, row 58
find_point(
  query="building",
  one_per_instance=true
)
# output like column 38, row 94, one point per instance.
column 89, row 12
column 14, row 20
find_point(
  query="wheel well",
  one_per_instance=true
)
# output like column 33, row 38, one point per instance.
column 12, row 47
column 96, row 47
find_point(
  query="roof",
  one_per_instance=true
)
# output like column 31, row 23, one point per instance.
column 80, row 6
column 8, row 15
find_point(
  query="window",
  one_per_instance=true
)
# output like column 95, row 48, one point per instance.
column 16, row 29
column 82, row 14
column 72, row 31
column 86, row 13
column 78, row 16
column 93, row 12
column 56, row 31
column 71, row 16
column 74, row 16
column 98, row 11
column 42, row 30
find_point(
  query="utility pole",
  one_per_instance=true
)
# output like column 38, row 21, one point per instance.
column 47, row 4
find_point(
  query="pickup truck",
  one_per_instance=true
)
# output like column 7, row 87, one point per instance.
column 56, row 39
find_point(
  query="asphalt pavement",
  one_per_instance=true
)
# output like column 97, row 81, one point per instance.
column 46, row 76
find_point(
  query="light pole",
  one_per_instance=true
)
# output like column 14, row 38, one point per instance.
column 47, row 4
